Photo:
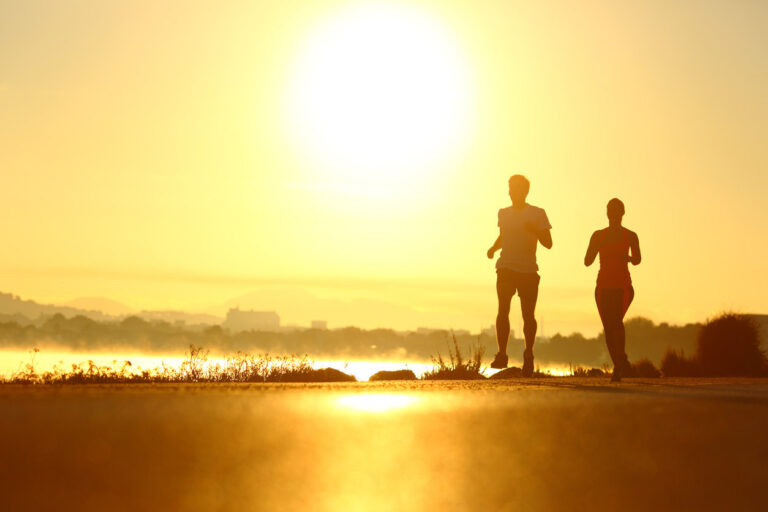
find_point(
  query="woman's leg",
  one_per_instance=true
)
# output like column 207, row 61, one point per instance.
column 628, row 294
column 610, row 305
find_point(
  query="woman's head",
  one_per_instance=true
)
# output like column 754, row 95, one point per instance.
column 615, row 210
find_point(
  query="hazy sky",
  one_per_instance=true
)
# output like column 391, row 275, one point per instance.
column 177, row 154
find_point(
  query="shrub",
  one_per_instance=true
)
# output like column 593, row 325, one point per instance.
column 729, row 345
column 675, row 364
column 645, row 369
column 580, row 371
column 457, row 367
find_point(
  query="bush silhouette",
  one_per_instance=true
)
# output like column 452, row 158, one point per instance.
column 586, row 372
column 645, row 369
column 729, row 346
column 675, row 364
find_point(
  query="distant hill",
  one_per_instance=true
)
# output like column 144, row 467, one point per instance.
column 14, row 305
column 101, row 309
column 103, row 304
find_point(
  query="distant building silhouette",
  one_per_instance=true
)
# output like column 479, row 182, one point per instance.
column 249, row 320
column 319, row 324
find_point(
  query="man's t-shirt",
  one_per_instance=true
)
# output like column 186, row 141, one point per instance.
column 518, row 245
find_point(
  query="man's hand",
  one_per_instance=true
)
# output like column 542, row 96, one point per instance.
column 542, row 235
column 495, row 247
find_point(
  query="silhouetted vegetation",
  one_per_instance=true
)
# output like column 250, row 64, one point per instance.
column 645, row 340
column 644, row 368
column 727, row 346
column 458, row 367
column 675, row 364
column 196, row 367
column 587, row 372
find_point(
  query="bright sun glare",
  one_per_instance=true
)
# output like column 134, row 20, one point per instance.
column 379, row 92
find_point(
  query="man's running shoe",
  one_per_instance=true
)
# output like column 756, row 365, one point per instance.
column 500, row 361
column 528, row 363
column 616, row 375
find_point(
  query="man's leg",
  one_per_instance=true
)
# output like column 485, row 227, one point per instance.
column 505, row 290
column 529, row 294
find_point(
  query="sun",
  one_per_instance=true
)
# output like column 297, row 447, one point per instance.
column 379, row 93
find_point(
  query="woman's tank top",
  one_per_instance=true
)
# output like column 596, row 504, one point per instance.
column 614, row 269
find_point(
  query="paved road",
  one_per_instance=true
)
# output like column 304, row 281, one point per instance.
column 554, row 444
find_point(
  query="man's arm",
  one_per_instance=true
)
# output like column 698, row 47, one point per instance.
column 542, row 235
column 495, row 247
column 545, row 237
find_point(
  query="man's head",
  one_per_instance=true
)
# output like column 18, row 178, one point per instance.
column 518, row 188
column 615, row 210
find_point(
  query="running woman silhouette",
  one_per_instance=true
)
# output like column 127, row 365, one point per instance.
column 617, row 247
column 521, row 228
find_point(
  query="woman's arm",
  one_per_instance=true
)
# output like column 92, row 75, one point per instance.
column 634, row 249
column 593, row 249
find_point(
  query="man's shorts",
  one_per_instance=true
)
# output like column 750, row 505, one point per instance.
column 526, row 284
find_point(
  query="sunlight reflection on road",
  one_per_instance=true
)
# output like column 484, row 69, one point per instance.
column 376, row 402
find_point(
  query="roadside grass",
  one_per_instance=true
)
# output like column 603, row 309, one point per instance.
column 458, row 366
column 580, row 371
column 196, row 367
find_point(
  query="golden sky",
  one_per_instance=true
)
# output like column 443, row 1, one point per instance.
column 179, row 154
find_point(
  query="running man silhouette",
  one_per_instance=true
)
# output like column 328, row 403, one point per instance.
column 617, row 246
column 521, row 227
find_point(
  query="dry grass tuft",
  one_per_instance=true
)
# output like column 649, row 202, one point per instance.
column 458, row 367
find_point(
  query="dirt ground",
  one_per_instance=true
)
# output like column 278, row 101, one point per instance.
column 549, row 444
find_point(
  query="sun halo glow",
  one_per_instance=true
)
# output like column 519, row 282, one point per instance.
column 379, row 95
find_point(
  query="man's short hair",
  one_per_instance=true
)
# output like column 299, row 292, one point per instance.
column 520, row 182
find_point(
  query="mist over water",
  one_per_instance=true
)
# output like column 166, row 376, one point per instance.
column 15, row 361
